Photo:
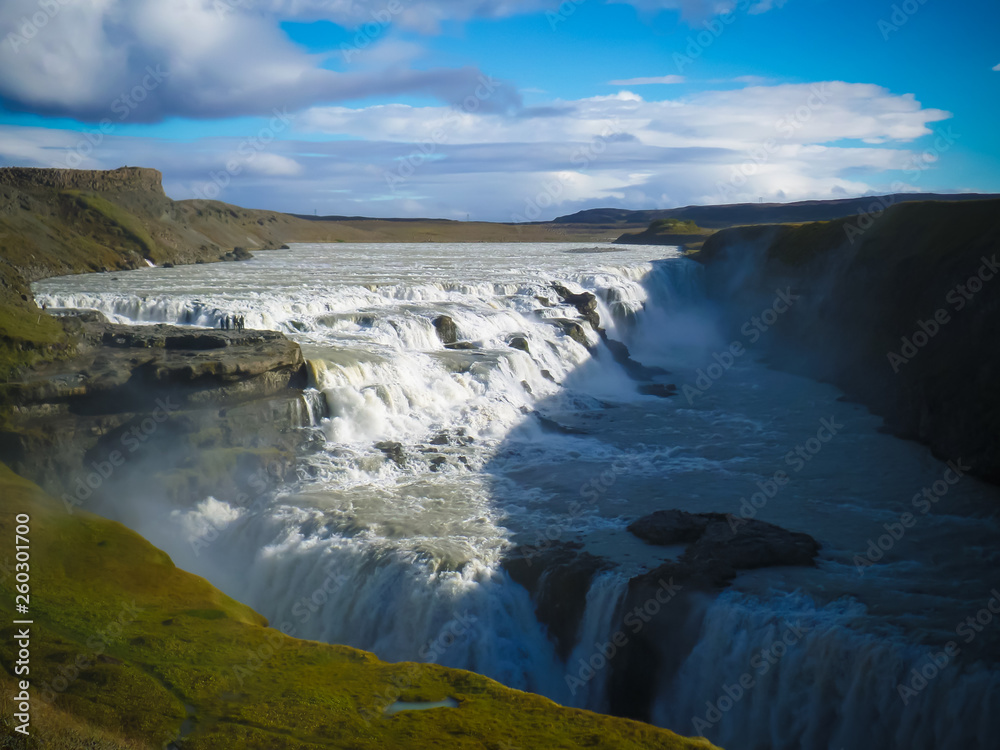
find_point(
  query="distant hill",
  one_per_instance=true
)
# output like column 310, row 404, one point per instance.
column 719, row 217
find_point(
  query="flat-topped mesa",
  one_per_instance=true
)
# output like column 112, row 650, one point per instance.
column 123, row 179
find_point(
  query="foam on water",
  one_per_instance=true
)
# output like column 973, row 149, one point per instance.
column 404, row 559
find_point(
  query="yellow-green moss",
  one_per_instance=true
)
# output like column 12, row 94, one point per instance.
column 185, row 650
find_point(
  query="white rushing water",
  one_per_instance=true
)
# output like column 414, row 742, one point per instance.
column 404, row 560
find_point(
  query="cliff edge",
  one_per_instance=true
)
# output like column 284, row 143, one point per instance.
column 899, row 310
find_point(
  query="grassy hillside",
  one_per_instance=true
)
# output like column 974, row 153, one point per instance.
column 722, row 216
column 128, row 651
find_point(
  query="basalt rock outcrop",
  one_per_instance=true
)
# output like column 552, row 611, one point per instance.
column 558, row 578
column 200, row 409
column 718, row 547
column 658, row 618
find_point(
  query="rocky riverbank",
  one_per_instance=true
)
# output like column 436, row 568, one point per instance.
column 196, row 411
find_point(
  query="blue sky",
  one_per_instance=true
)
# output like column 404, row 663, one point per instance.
column 512, row 110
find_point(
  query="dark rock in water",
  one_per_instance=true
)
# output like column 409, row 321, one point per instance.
column 622, row 356
column 461, row 346
column 241, row 253
column 527, row 386
column 550, row 425
column 544, row 301
column 393, row 451
column 667, row 527
column 441, row 439
column 437, row 462
column 446, row 329
column 721, row 544
column 519, row 342
column 284, row 247
column 572, row 329
column 658, row 389
column 167, row 265
column 558, row 578
column 548, row 376
column 584, row 302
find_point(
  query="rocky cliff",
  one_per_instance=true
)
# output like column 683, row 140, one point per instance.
column 900, row 310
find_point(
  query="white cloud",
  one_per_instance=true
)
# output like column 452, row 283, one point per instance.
column 996, row 67
column 790, row 141
column 214, row 58
column 646, row 81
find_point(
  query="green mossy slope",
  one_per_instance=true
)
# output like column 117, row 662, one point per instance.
column 145, row 652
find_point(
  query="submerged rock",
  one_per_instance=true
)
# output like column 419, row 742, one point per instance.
column 446, row 329
column 558, row 578
column 584, row 302
column 721, row 545
column 393, row 451
column 571, row 328
column 519, row 342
